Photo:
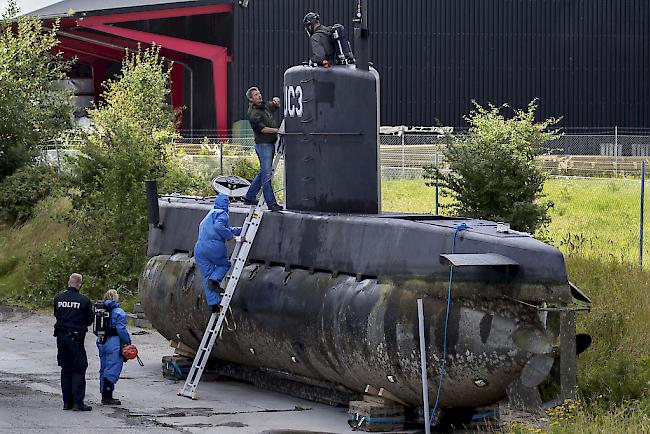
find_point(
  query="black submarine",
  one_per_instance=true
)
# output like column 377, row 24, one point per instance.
column 327, row 302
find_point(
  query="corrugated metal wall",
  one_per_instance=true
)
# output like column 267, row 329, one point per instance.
column 585, row 60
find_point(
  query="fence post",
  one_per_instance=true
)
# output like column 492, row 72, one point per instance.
column 220, row 157
column 58, row 157
column 403, row 156
column 436, row 182
column 641, row 217
column 616, row 150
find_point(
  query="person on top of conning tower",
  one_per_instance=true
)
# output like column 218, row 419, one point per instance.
column 329, row 45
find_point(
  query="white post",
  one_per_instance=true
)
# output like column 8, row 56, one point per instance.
column 437, row 188
column 58, row 157
column 616, row 150
column 403, row 157
column 423, row 361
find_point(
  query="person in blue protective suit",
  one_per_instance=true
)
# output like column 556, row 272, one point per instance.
column 210, row 252
column 110, row 351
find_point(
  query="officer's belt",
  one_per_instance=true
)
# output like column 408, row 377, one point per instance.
column 69, row 332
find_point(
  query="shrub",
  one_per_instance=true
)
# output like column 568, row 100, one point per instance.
column 245, row 167
column 21, row 191
column 185, row 179
column 492, row 173
column 130, row 142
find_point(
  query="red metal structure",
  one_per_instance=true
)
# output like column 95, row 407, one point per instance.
column 101, row 38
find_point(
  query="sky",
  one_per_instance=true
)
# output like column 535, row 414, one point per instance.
column 28, row 5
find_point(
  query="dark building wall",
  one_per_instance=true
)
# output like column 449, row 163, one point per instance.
column 269, row 38
column 585, row 60
column 211, row 29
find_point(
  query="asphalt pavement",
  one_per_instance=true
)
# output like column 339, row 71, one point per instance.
column 30, row 394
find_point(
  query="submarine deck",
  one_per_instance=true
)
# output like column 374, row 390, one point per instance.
column 386, row 245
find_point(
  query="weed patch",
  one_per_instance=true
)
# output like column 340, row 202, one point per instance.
column 21, row 245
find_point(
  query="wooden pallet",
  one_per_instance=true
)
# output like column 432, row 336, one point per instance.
column 182, row 350
column 376, row 413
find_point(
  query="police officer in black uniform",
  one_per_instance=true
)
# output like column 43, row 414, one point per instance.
column 74, row 313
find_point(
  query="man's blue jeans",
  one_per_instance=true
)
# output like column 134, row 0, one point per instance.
column 265, row 153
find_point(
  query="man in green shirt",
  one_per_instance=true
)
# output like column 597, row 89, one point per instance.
column 260, row 115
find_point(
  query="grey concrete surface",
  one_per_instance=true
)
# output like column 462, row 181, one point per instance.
column 30, row 395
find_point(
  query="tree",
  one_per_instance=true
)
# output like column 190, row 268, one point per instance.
column 31, row 111
column 23, row 189
column 131, row 141
column 492, row 170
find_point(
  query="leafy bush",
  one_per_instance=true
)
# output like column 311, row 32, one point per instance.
column 493, row 175
column 21, row 191
column 130, row 142
column 245, row 167
column 185, row 179
column 31, row 111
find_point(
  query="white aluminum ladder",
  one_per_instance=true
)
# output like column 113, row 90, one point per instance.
column 239, row 256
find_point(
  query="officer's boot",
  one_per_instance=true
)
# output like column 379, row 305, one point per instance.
column 107, row 394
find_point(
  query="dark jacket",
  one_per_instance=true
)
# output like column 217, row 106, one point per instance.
column 73, row 311
column 322, row 47
column 261, row 116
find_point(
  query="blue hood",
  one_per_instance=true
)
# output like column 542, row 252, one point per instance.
column 111, row 304
column 221, row 202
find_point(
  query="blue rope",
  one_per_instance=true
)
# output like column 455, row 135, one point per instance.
column 461, row 227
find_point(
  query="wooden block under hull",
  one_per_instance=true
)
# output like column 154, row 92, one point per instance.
column 375, row 414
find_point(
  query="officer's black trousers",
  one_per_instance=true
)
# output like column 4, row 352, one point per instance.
column 73, row 362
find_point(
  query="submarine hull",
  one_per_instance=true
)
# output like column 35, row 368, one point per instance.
column 332, row 299
column 347, row 331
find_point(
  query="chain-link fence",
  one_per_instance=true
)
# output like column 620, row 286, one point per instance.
column 595, row 182
column 601, row 153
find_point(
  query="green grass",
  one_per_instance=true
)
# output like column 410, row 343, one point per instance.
column 595, row 223
column 596, row 218
column 591, row 217
column 617, row 365
column 625, row 418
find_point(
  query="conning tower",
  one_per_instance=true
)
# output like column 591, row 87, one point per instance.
column 332, row 134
